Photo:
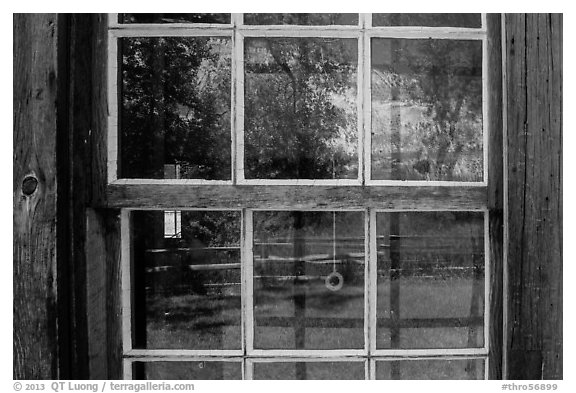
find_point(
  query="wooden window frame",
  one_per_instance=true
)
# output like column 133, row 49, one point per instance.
column 237, row 32
column 371, row 196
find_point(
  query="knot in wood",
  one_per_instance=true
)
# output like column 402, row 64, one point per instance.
column 29, row 185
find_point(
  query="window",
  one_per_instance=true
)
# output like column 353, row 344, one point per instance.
column 304, row 196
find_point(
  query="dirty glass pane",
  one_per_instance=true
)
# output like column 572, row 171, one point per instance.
column 209, row 370
column 427, row 110
column 301, row 19
column 174, row 18
column 309, row 370
column 175, row 108
column 308, row 280
column 430, row 280
column 300, row 115
column 187, row 289
column 431, row 369
column 430, row 20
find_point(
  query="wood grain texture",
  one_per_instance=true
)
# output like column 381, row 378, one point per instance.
column 295, row 197
column 103, row 294
column 34, row 244
column 495, row 230
column 96, row 294
column 534, row 95
column 94, row 233
column 495, row 118
column 76, row 185
column 495, row 191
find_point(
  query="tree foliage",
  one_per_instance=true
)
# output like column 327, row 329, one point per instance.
column 176, row 107
column 300, row 108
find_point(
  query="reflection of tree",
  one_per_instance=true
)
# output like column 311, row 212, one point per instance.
column 175, row 18
column 301, row 19
column 175, row 107
column 432, row 20
column 300, row 117
column 443, row 78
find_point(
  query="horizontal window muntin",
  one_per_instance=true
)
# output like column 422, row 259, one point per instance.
column 370, row 21
column 245, row 197
column 198, row 367
column 245, row 245
column 188, row 196
column 363, row 152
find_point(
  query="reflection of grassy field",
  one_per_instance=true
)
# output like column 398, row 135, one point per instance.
column 193, row 322
column 426, row 298
column 310, row 370
column 208, row 323
column 431, row 369
column 188, row 370
column 319, row 304
column 440, row 277
column 327, row 370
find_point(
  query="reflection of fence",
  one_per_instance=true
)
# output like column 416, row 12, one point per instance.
column 280, row 263
column 435, row 257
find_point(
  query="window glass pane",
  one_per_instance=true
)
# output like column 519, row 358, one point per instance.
column 300, row 114
column 209, row 370
column 430, row 280
column 427, row 110
column 308, row 280
column 175, row 107
column 309, row 370
column 301, row 19
column 431, row 20
column 187, row 289
column 431, row 369
column 174, row 18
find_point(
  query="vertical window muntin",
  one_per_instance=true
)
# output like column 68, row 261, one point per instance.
column 249, row 354
column 363, row 33
column 236, row 31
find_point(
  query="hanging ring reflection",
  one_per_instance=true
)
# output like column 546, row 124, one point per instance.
column 334, row 281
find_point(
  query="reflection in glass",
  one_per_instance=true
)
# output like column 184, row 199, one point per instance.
column 207, row 370
column 174, row 18
column 300, row 115
column 187, row 289
column 175, row 107
column 309, row 370
column 426, row 110
column 430, row 280
column 301, row 19
column 430, row 20
column 431, row 369
column 294, row 254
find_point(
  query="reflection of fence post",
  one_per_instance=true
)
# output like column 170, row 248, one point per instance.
column 299, row 291
column 157, row 156
column 395, row 289
column 264, row 258
column 395, row 141
column 142, row 237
